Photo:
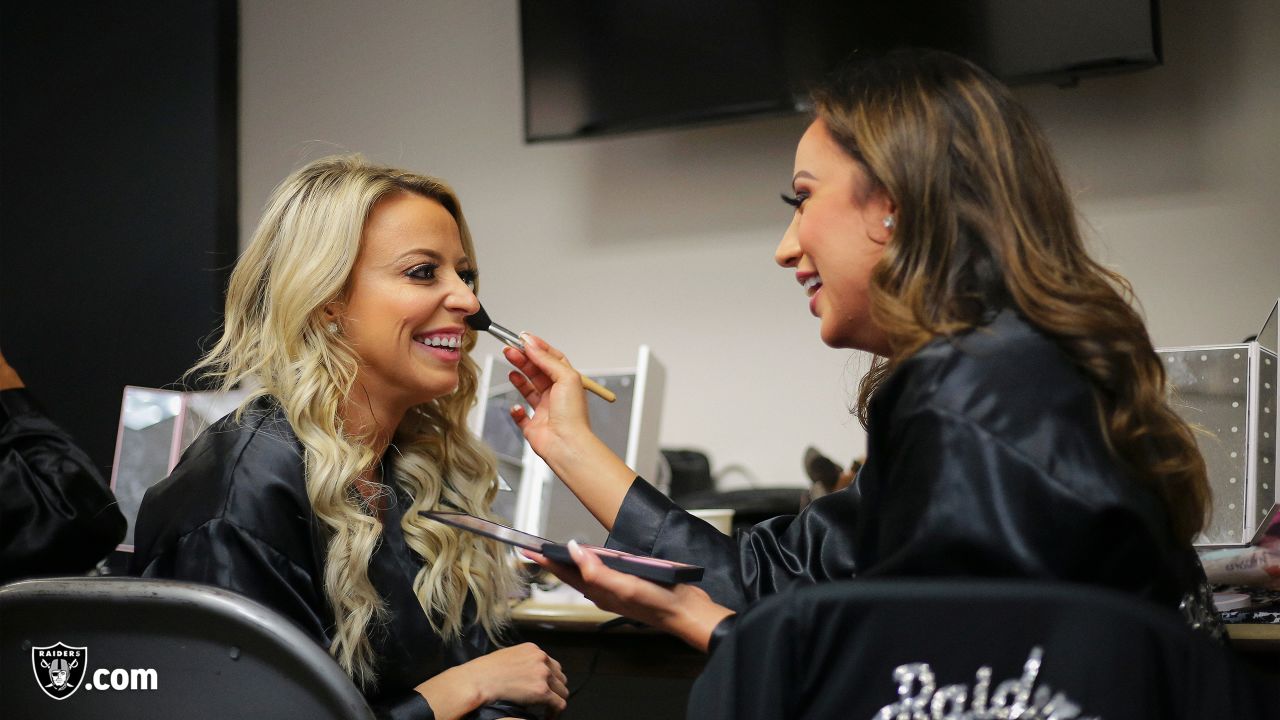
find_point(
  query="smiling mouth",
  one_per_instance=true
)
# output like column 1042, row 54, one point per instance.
column 812, row 285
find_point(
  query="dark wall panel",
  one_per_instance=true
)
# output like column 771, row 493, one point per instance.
column 118, row 212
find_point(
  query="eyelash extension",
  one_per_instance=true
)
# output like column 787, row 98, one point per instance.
column 796, row 200
column 425, row 271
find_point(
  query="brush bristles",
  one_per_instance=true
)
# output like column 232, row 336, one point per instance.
column 480, row 321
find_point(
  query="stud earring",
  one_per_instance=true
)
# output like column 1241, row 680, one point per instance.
column 889, row 222
column 333, row 326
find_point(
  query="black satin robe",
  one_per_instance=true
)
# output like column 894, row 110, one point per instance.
column 985, row 458
column 57, row 515
column 235, row 514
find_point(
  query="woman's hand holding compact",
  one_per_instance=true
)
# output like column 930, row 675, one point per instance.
column 681, row 610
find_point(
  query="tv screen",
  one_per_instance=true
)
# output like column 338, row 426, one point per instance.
column 594, row 67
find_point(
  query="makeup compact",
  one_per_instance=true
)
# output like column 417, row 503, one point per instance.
column 653, row 569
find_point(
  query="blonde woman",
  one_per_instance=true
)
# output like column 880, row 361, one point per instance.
column 348, row 311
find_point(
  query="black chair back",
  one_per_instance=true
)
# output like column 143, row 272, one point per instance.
column 138, row 648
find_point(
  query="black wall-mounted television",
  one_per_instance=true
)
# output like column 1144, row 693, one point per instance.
column 596, row 67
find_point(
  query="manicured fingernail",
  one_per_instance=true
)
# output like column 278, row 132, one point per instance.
column 574, row 549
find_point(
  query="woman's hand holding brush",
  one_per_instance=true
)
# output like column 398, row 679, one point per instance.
column 481, row 321
column 559, row 429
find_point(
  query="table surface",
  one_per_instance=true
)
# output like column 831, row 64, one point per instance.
column 1255, row 637
column 560, row 616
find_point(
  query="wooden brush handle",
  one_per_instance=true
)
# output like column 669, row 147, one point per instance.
column 600, row 390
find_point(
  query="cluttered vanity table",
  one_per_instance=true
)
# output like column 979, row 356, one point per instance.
column 1255, row 630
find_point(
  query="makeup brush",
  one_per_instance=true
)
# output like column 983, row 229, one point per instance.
column 481, row 321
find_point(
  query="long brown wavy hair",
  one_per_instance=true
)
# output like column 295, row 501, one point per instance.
column 984, row 221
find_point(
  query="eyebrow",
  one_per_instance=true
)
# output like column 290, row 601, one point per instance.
column 802, row 174
column 432, row 254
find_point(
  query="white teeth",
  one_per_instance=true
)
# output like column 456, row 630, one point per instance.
column 442, row 341
column 812, row 283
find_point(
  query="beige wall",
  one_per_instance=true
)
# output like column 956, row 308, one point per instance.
column 666, row 238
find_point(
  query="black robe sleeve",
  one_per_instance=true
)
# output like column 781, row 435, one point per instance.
column 812, row 546
column 409, row 706
column 222, row 554
column 57, row 515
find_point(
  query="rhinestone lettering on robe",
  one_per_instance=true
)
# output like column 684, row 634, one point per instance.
column 920, row 698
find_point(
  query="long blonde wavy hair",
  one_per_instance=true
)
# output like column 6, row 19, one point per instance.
column 984, row 221
column 275, row 335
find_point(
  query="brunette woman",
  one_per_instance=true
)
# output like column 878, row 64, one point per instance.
column 1016, row 414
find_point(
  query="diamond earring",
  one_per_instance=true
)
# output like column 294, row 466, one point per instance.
column 333, row 326
column 889, row 222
